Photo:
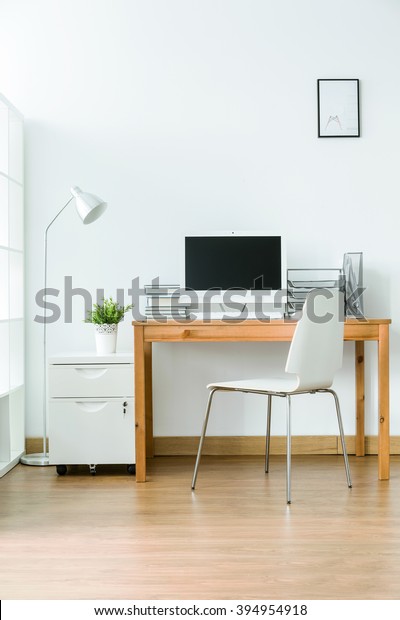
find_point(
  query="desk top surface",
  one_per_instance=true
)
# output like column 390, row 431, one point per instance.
column 247, row 331
column 246, row 322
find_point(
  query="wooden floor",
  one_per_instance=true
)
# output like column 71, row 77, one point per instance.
column 106, row 537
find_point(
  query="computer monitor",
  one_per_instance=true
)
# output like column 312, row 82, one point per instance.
column 253, row 263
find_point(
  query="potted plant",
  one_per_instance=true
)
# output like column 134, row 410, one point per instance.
column 105, row 318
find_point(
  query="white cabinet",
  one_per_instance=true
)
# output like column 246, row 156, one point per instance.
column 91, row 411
column 12, row 428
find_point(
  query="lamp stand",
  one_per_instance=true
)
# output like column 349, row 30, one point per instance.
column 41, row 459
column 89, row 208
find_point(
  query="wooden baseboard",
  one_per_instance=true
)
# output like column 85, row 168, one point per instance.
column 301, row 444
column 243, row 445
column 34, row 444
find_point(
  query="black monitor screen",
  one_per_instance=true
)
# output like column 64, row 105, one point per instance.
column 247, row 262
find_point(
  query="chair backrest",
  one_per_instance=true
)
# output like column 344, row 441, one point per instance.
column 316, row 351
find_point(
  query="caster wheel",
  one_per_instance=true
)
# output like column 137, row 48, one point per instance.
column 92, row 469
column 131, row 469
column 61, row 470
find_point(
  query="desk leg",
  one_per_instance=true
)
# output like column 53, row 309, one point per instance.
column 383, row 388
column 360, row 398
column 148, row 370
column 140, row 404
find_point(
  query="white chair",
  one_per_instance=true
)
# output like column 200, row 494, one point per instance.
column 315, row 355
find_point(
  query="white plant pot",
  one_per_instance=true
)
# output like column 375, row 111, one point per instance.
column 106, row 338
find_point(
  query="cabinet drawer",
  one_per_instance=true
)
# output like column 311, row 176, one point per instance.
column 87, row 380
column 91, row 431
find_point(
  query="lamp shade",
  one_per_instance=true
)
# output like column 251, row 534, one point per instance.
column 89, row 206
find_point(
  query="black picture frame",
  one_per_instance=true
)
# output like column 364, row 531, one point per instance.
column 338, row 108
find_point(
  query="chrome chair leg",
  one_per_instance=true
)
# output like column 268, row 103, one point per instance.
column 288, row 450
column 345, row 457
column 268, row 434
column 203, row 434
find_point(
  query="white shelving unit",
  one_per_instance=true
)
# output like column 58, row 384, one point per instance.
column 12, row 431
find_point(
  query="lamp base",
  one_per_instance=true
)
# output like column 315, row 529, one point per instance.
column 39, row 460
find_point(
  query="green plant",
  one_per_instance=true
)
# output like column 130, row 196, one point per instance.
column 109, row 312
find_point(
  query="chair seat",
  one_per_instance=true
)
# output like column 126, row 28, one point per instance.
column 285, row 385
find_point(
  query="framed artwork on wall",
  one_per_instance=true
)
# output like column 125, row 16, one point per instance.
column 338, row 108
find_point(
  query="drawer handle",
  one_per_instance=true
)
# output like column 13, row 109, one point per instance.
column 91, row 373
column 91, row 407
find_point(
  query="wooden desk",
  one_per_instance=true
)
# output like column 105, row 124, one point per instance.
column 145, row 333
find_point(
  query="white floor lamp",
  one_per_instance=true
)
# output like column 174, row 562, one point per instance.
column 89, row 208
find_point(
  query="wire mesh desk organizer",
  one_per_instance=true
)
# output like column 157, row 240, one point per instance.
column 353, row 277
column 347, row 279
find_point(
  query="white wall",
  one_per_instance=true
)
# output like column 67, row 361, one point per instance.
column 193, row 115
